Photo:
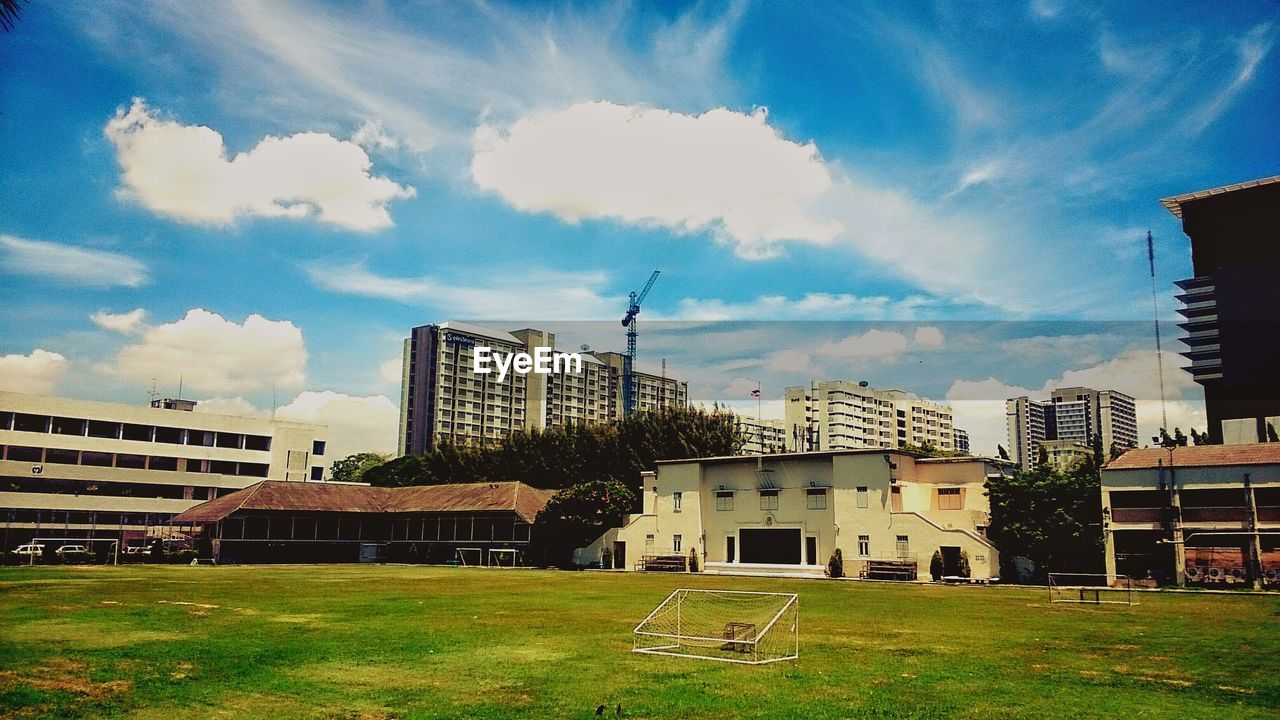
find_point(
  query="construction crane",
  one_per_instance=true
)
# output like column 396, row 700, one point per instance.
column 629, row 384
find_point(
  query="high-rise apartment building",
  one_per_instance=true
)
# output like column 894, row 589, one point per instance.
column 962, row 440
column 761, row 436
column 1233, row 331
column 444, row 400
column 1075, row 416
column 846, row 415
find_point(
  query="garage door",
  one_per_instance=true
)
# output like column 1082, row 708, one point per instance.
column 777, row 546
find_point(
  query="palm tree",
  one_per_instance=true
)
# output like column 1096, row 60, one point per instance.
column 10, row 11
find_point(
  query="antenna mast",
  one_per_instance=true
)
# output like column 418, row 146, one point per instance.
column 1155, row 316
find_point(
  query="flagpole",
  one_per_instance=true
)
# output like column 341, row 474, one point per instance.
column 759, row 404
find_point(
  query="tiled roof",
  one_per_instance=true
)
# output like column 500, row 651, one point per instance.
column 1199, row 456
column 269, row 495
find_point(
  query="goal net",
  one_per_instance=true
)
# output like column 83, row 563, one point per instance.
column 471, row 557
column 1091, row 589
column 733, row 626
column 505, row 557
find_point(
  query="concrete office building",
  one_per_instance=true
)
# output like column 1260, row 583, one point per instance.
column 443, row 399
column 845, row 415
column 760, row 436
column 887, row 512
column 1075, row 415
column 82, row 469
column 1233, row 332
column 1204, row 515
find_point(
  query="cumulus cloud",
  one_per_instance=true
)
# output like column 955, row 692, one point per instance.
column 213, row 354
column 126, row 322
column 69, row 264
column 727, row 172
column 872, row 343
column 371, row 135
column 356, row 424
column 929, row 337
column 391, row 371
column 183, row 172
column 37, row 372
column 235, row 406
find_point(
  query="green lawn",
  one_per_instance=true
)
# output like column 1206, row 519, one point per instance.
column 381, row 642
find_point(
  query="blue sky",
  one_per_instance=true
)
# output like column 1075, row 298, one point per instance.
column 296, row 184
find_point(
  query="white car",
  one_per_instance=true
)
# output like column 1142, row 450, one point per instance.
column 71, row 550
column 29, row 549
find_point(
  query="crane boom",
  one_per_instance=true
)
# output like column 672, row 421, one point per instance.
column 647, row 287
column 630, row 391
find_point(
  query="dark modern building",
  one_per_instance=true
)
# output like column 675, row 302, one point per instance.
column 474, row 523
column 1231, row 306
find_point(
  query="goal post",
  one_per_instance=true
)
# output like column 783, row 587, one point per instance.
column 736, row 626
column 471, row 556
column 1091, row 589
column 505, row 557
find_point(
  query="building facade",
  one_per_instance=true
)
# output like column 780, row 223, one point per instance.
column 761, row 436
column 845, row 415
column 1203, row 515
column 1232, row 330
column 444, row 400
column 94, row 470
column 887, row 512
column 1073, row 415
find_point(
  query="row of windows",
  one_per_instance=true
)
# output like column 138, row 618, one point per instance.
column 89, row 458
column 54, row 518
column 815, row 499
column 56, row 425
column 94, row 488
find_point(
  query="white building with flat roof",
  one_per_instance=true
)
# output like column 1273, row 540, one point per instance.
column 847, row 415
column 79, row 468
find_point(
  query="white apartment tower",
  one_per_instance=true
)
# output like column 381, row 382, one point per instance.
column 1071, row 415
column 846, row 415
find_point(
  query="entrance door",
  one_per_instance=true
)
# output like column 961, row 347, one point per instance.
column 811, row 550
column 776, row 546
column 619, row 554
column 950, row 561
column 730, row 546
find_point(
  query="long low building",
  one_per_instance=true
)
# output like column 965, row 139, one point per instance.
column 1205, row 514
column 478, row 523
column 887, row 511
column 109, row 473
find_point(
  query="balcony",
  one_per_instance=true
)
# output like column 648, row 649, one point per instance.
column 1148, row 515
column 1226, row 514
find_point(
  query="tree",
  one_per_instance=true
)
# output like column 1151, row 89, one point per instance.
column 577, row 515
column 1049, row 516
column 1004, row 454
column 835, row 566
column 936, row 566
column 352, row 467
column 1179, row 438
column 10, row 13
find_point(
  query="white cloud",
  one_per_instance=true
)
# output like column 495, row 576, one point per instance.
column 236, row 406
column 872, row 343
column 810, row 306
column 979, row 174
column 126, row 322
column 356, row 424
column 37, row 372
column 793, row 362
column 928, row 336
column 371, row 135
column 494, row 294
column 183, row 172
column 723, row 171
column 391, row 371
column 68, row 264
column 210, row 353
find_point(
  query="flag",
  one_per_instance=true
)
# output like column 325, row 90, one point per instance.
column 755, row 393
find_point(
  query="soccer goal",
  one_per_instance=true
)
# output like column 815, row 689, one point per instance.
column 471, row 557
column 505, row 557
column 1091, row 589
column 753, row 628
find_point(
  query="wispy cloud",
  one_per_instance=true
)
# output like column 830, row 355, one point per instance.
column 69, row 264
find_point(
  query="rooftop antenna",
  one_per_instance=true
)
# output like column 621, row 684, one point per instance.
column 179, row 386
column 154, row 393
column 1155, row 315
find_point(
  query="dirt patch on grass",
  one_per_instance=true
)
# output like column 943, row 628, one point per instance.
column 62, row 675
column 366, row 676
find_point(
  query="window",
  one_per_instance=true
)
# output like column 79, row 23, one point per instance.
column 724, row 500
column 864, row 545
column 317, row 447
column 676, row 542
column 895, row 499
column 676, row 501
column 864, row 499
column 816, row 498
column 768, row 499
column 950, row 499
column 904, row 547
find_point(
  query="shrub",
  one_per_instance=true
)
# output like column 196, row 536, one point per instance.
column 835, row 566
column 606, row 558
column 693, row 559
column 965, row 570
column 936, row 567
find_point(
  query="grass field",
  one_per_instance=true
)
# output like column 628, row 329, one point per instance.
column 406, row 642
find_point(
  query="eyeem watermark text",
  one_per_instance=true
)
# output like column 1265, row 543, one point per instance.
column 543, row 361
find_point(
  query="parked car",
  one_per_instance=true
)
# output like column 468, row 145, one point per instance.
column 66, row 550
column 135, row 549
column 30, row 549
